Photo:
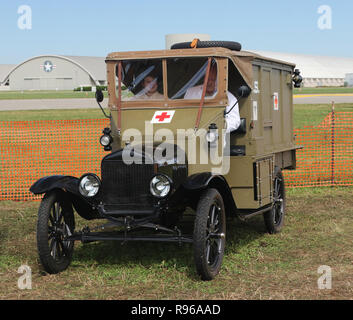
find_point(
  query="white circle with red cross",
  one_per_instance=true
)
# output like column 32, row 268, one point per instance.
column 163, row 116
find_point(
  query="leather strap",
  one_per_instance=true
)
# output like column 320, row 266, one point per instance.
column 119, row 97
column 203, row 94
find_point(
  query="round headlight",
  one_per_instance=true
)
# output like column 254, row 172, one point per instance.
column 105, row 140
column 160, row 186
column 89, row 185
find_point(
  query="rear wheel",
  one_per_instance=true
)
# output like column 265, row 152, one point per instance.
column 209, row 234
column 274, row 218
column 55, row 223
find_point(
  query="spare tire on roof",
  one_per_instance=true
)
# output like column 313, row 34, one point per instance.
column 232, row 45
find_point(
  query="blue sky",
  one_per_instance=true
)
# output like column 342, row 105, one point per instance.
column 95, row 28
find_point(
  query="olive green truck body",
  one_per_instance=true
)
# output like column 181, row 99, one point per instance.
column 268, row 140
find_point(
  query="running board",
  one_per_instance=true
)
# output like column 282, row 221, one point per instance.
column 247, row 215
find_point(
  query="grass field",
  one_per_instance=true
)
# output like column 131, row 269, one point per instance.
column 52, row 114
column 313, row 114
column 304, row 115
column 69, row 94
column 323, row 90
column 318, row 231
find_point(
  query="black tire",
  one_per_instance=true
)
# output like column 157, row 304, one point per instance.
column 274, row 219
column 55, row 221
column 209, row 234
column 232, row 45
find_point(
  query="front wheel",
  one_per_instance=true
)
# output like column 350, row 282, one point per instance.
column 274, row 218
column 55, row 223
column 209, row 234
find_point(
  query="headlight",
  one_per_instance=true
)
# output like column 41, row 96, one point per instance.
column 89, row 185
column 160, row 186
column 105, row 140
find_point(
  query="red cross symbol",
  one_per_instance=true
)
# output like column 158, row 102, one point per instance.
column 275, row 101
column 163, row 116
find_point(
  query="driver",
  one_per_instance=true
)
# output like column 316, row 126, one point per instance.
column 232, row 110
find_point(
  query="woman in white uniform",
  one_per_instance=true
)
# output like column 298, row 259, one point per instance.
column 233, row 117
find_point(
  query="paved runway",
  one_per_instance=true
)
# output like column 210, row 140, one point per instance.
column 323, row 98
column 38, row 104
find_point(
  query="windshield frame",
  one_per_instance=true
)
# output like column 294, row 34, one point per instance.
column 218, row 100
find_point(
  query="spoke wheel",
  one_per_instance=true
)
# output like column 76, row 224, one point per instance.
column 55, row 224
column 209, row 234
column 274, row 218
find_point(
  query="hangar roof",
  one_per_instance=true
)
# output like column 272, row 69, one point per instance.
column 314, row 66
column 95, row 65
column 5, row 70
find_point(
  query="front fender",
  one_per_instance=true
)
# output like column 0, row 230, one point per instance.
column 70, row 184
column 198, row 181
column 201, row 181
column 49, row 183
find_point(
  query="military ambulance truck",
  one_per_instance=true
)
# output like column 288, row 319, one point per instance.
column 162, row 145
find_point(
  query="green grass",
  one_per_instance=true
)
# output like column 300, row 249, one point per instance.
column 53, row 114
column 304, row 115
column 313, row 114
column 323, row 90
column 69, row 94
column 318, row 231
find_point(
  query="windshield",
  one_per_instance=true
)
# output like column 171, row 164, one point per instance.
column 186, row 77
column 143, row 79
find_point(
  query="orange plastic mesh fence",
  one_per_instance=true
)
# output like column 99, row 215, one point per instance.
column 30, row 150
column 327, row 156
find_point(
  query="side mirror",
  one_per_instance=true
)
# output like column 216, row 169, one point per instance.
column 99, row 95
column 243, row 91
column 99, row 99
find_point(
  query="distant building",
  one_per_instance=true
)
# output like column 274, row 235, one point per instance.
column 349, row 79
column 317, row 71
column 54, row 72
column 4, row 71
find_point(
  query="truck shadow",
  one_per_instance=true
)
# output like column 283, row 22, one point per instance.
column 164, row 255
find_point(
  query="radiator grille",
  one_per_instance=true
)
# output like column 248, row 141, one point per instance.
column 124, row 184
